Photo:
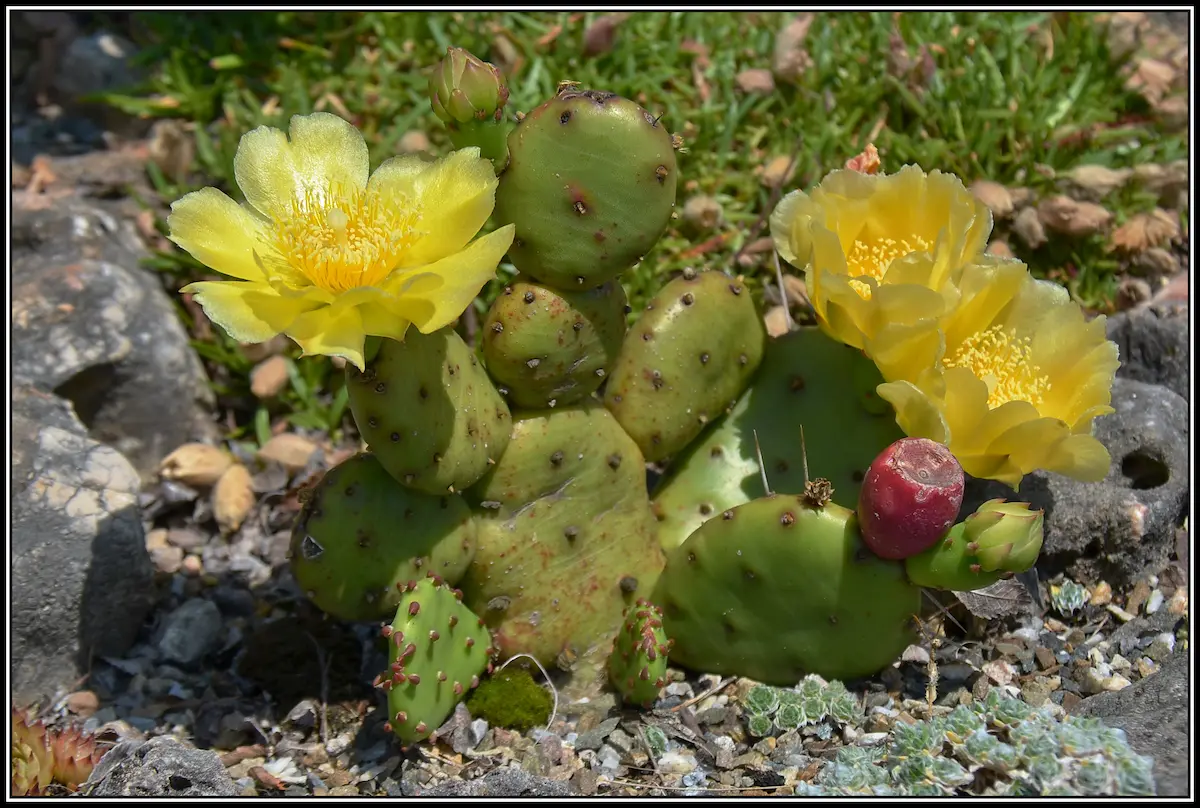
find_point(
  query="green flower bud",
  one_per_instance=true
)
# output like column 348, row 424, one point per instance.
column 1005, row 535
column 462, row 88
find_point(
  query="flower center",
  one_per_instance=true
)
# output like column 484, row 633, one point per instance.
column 872, row 257
column 341, row 241
column 1004, row 363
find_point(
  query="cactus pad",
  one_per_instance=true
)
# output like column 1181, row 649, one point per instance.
column 686, row 361
column 776, row 588
column 549, row 348
column 438, row 649
column 950, row 564
column 807, row 379
column 361, row 533
column 637, row 666
column 429, row 412
column 566, row 536
column 590, row 186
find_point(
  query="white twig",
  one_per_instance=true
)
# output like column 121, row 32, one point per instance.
column 761, row 468
column 553, row 689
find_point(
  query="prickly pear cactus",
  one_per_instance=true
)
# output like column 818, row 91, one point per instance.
column 590, row 186
column 805, row 379
column 429, row 412
column 566, row 536
column 637, row 666
column 361, row 533
column 438, row 649
column 999, row 539
column 778, row 588
column 686, row 361
column 548, row 348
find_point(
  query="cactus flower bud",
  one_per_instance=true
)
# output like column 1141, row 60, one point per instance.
column 463, row 88
column 1008, row 535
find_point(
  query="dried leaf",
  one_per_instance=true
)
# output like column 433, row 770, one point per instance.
column 1152, row 79
column 195, row 464
column 776, row 320
column 233, row 498
column 995, row 196
column 1065, row 215
column 998, row 600
column 1156, row 263
column 1094, row 182
column 1028, row 228
column 599, row 37
column 755, row 81
column 289, row 450
column 867, row 162
column 269, row 377
column 1146, row 230
column 778, row 171
column 791, row 59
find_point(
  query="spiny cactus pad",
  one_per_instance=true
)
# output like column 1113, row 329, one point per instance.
column 549, row 348
column 429, row 412
column 805, row 379
column 637, row 666
column 566, row 536
column 590, row 186
column 360, row 533
column 438, row 649
column 775, row 589
column 686, row 361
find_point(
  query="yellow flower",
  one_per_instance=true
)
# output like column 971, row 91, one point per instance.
column 880, row 248
column 326, row 252
column 1011, row 382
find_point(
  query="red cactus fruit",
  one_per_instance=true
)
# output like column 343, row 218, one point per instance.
column 910, row 497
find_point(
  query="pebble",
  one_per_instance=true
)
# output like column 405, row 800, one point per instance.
column 673, row 762
column 608, row 759
column 1102, row 594
column 872, row 738
column 1162, row 647
column 167, row 559
column 186, row 539
column 1146, row 666
column 1154, row 602
column 193, row 566
column 1119, row 613
column 1045, row 657
column 191, row 632
column 1177, row 605
column 1120, row 664
column 156, row 538
column 681, row 689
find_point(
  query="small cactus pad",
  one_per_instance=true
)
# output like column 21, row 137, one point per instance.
column 775, row 589
column 361, row 533
column 566, row 536
column 685, row 361
column 429, row 411
column 950, row 564
column 806, row 379
column 438, row 649
column 637, row 667
column 549, row 348
column 590, row 186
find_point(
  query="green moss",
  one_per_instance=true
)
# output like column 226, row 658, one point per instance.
column 511, row 699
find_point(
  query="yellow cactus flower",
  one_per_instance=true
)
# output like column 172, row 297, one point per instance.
column 880, row 248
column 1012, row 381
column 326, row 252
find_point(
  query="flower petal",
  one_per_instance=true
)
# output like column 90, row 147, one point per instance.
column 265, row 171
column 218, row 233
column 456, row 196
column 451, row 283
column 328, row 332
column 916, row 413
column 249, row 312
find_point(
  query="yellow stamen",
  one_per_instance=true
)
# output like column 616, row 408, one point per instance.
column 1004, row 363
column 341, row 241
column 873, row 257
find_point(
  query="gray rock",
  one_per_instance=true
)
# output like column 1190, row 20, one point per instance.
column 102, row 62
column 190, row 632
column 1155, row 346
column 509, row 782
column 159, row 767
column 1123, row 527
column 93, row 327
column 1152, row 712
column 82, row 581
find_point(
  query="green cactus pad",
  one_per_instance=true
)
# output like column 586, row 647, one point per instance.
column 776, row 588
column 438, row 649
column 806, row 379
column 361, row 533
column 590, row 186
column 685, row 361
column 637, row 667
column 950, row 564
column 549, row 348
column 566, row 535
column 429, row 411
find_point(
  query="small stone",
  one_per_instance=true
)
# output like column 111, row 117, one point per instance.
column 1120, row 664
column 593, row 738
column 1037, row 692
column 1139, row 595
column 1070, row 701
column 673, row 762
column 1178, row 602
column 1154, row 602
column 289, row 450
column 778, row 171
column 1101, row 594
column 585, row 782
column 872, row 738
column 713, row 715
column 83, row 703
column 995, row 196
column 269, row 377
column 1146, row 666
column 756, row 82
column 186, row 539
column 999, row 671
column 1045, row 658
column 190, row 632
column 192, row 566
column 156, row 538
column 167, row 560
column 608, row 759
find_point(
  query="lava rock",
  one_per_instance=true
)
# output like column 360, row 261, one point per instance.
column 509, row 782
column 190, row 632
column 1155, row 346
column 159, row 767
column 82, row 581
column 1122, row 528
column 91, row 326
column 1152, row 714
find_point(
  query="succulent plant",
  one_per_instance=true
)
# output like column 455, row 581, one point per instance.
column 42, row 757
column 811, row 702
column 1068, row 597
